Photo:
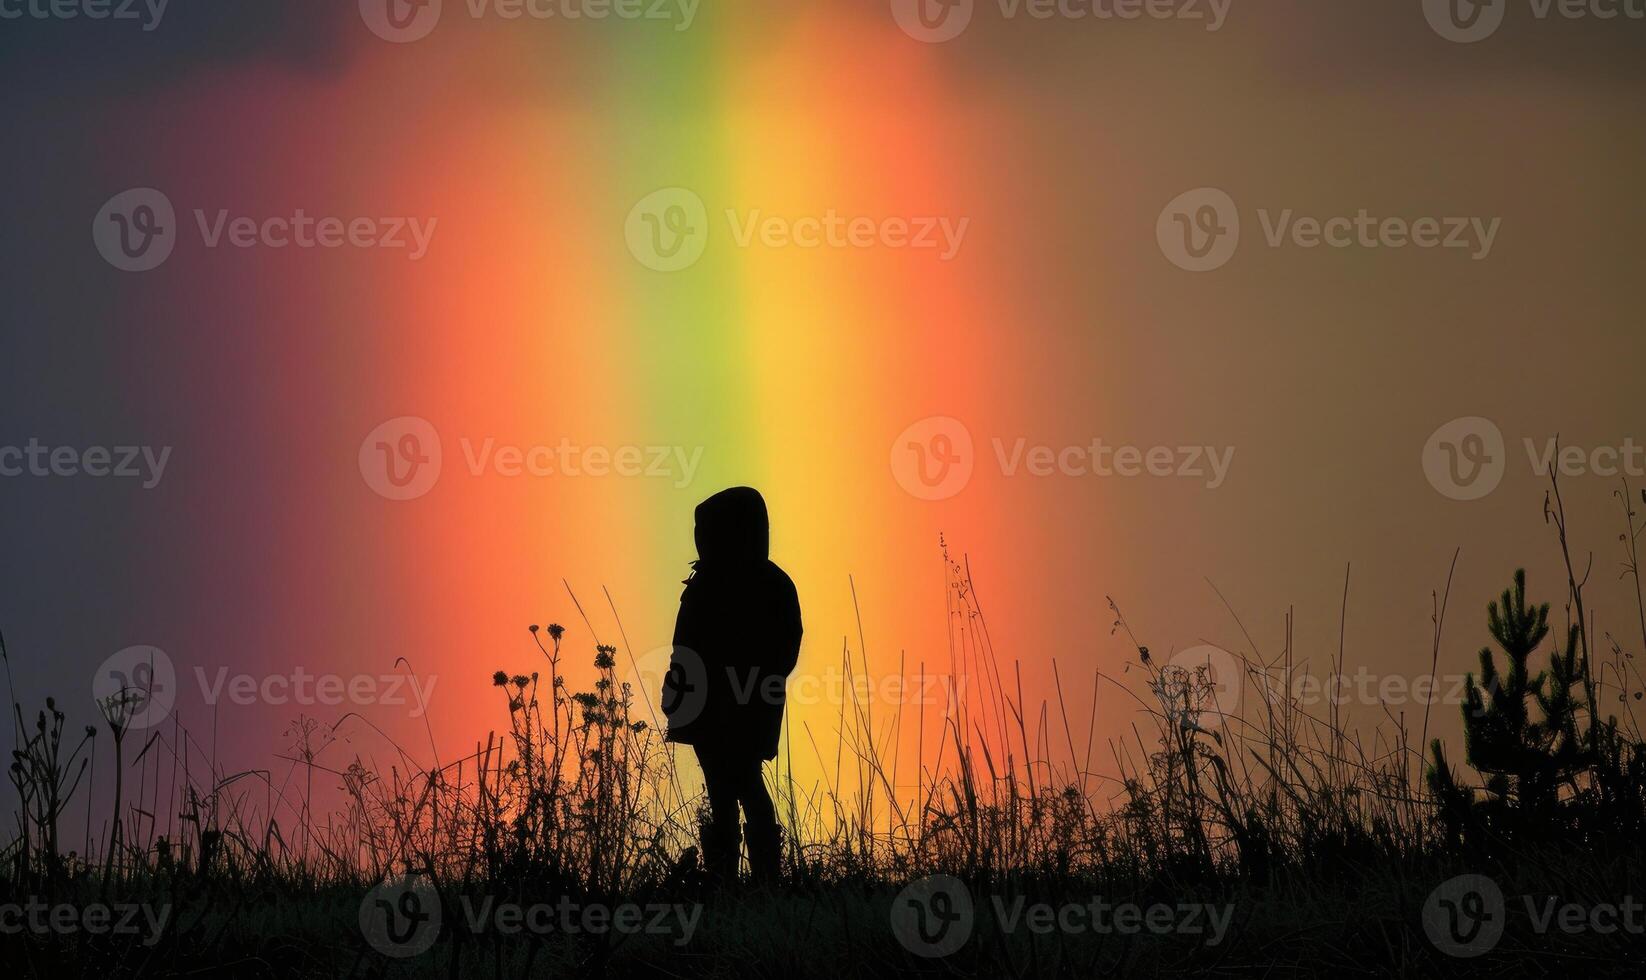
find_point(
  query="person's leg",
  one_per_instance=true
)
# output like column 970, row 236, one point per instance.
column 722, row 781
column 722, row 841
column 751, row 791
column 764, row 837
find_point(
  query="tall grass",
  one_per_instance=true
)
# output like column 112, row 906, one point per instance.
column 576, row 793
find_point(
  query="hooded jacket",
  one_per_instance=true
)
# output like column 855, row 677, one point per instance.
column 737, row 636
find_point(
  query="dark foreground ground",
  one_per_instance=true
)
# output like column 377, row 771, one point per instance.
column 1570, row 916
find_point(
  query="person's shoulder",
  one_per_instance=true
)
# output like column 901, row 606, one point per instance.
column 778, row 577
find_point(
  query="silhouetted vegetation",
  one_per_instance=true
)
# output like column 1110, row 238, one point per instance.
column 1324, row 840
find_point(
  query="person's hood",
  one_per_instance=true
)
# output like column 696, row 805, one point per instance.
column 732, row 528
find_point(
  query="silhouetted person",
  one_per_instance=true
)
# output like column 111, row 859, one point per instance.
column 737, row 638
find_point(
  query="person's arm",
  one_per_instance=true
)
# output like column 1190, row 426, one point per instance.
column 688, row 632
column 789, row 629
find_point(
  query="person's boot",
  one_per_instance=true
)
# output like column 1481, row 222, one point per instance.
column 722, row 845
column 765, row 852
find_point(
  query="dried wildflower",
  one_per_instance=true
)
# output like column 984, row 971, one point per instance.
column 556, row 631
column 521, row 680
column 499, row 679
column 605, row 657
column 533, row 627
